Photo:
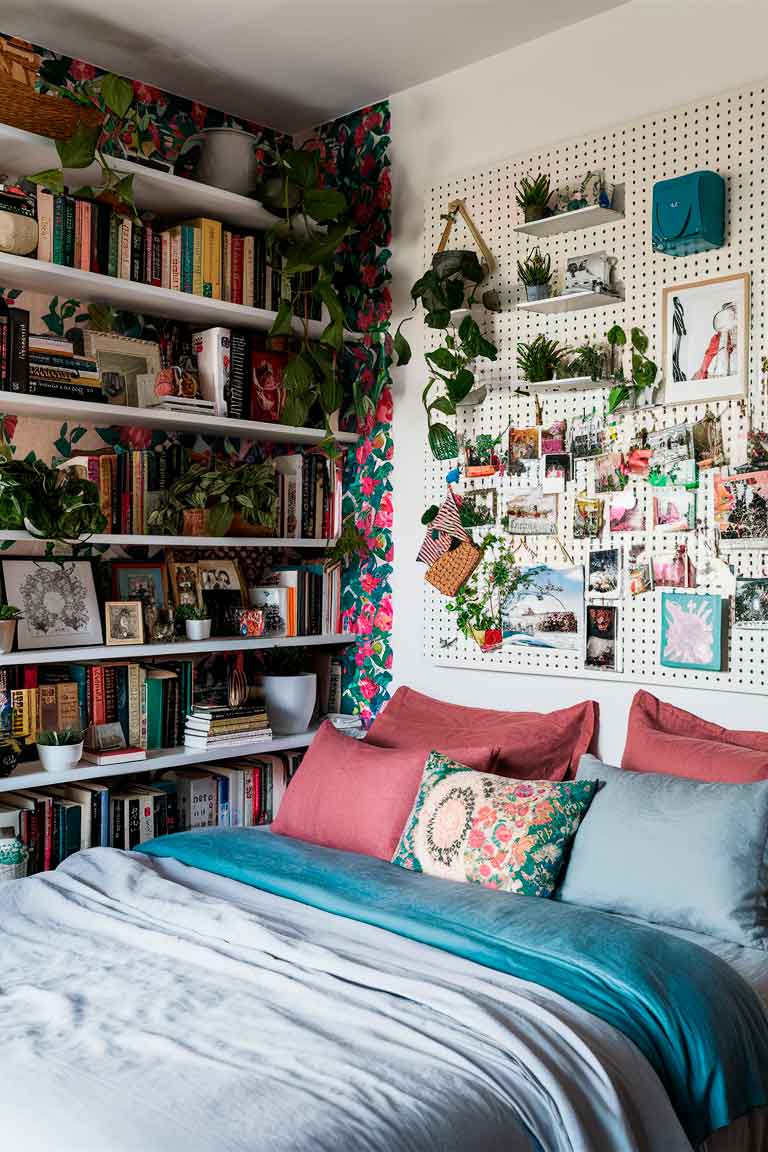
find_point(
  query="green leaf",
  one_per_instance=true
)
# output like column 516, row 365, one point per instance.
column 461, row 385
column 616, row 336
column 117, row 94
column 442, row 358
column 333, row 334
column 324, row 203
column 298, row 375
column 330, row 393
column 617, row 395
column 80, row 150
column 430, row 514
column 50, row 178
column 445, row 405
column 311, row 254
column 325, row 290
column 282, row 325
column 471, row 268
column 219, row 519
column 442, row 442
column 440, row 318
column 123, row 189
column 101, row 317
column 86, row 192
column 301, row 165
column 639, row 339
column 400, row 345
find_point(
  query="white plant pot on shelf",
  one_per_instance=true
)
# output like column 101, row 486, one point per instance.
column 59, row 757
column 290, row 702
column 7, row 633
column 197, row 629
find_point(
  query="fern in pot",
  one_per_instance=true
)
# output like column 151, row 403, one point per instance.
column 535, row 273
column 289, row 691
column 8, row 617
column 59, row 749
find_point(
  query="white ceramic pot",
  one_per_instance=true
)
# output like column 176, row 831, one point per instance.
column 198, row 629
column 290, row 702
column 7, row 633
column 59, row 757
column 227, row 159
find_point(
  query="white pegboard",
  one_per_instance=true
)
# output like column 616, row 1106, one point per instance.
column 727, row 134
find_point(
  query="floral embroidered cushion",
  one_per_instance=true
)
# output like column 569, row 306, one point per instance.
column 508, row 834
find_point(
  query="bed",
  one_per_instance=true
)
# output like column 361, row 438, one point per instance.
column 236, row 990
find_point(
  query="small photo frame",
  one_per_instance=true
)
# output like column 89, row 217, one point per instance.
column 121, row 359
column 221, row 576
column 185, row 584
column 610, row 473
column 145, row 580
column 705, row 340
column 604, row 573
column 524, row 445
column 691, row 631
column 557, row 471
column 124, row 621
column 751, row 602
column 602, row 631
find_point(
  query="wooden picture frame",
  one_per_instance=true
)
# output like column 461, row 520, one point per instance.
column 122, row 358
column 185, row 583
column 222, row 576
column 132, row 578
column 705, row 339
column 124, row 621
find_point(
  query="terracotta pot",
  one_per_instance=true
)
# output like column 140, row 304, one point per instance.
column 7, row 633
column 195, row 521
column 240, row 527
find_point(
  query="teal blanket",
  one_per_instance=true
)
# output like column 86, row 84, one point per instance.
column 699, row 1024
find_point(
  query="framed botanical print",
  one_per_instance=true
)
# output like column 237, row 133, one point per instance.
column 705, row 342
column 143, row 580
column 57, row 601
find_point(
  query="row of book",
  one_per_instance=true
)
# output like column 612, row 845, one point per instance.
column 301, row 599
column 54, row 822
column 199, row 256
column 131, row 482
column 309, row 491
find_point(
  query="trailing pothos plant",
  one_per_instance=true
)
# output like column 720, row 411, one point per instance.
column 113, row 96
column 53, row 504
column 477, row 605
column 313, row 223
column 644, row 370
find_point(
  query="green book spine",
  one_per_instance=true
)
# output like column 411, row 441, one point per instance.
column 71, row 829
column 69, row 231
column 58, row 229
column 114, row 245
column 154, row 713
column 187, row 256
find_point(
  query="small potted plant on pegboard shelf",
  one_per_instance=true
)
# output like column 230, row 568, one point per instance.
column 535, row 274
column 533, row 197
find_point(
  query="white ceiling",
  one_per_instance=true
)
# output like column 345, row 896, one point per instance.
column 288, row 63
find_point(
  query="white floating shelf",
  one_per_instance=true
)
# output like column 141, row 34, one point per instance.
column 177, row 197
column 135, row 541
column 567, row 384
column 115, row 415
column 591, row 217
column 172, row 648
column 32, row 775
column 56, row 279
column 573, row 302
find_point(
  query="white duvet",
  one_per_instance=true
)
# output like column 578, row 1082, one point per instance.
column 149, row 1006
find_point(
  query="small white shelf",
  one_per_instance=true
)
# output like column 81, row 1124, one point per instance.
column 172, row 648
column 115, row 415
column 136, row 541
column 174, row 197
column 32, row 775
column 591, row 217
column 573, row 302
column 567, row 384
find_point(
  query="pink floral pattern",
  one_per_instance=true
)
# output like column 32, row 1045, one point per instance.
column 486, row 829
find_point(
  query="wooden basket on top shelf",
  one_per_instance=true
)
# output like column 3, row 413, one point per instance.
column 43, row 115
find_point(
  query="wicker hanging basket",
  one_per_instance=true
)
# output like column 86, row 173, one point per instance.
column 452, row 570
column 48, row 116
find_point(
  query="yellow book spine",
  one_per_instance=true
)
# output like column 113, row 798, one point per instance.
column 197, row 261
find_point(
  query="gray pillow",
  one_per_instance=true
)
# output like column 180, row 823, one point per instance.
column 673, row 851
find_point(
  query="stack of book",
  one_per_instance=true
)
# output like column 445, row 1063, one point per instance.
column 218, row 726
column 54, row 370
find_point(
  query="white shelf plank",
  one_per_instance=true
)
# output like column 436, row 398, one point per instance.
column 32, row 775
column 179, row 541
column 55, row 279
column 591, row 217
column 172, row 648
column 567, row 384
column 115, row 415
column 22, row 153
column 573, row 302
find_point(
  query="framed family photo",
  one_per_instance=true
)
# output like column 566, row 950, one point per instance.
column 125, row 621
column 144, row 580
column 705, row 341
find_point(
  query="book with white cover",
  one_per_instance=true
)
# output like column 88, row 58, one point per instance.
column 211, row 347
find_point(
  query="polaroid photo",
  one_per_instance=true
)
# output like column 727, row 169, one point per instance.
column 604, row 573
column 557, row 471
column 602, row 638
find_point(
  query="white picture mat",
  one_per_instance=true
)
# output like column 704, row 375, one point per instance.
column 70, row 619
column 701, row 301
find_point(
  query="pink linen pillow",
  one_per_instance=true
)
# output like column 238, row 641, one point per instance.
column 664, row 739
column 354, row 796
column 532, row 745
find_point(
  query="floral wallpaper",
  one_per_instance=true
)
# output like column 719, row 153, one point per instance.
column 354, row 156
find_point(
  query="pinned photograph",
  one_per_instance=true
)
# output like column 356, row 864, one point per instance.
column 639, row 570
column 674, row 510
column 557, row 471
column 604, row 573
column 708, row 446
column 600, row 652
column 553, row 438
column 741, row 506
column 125, row 621
column 478, row 507
column 671, row 570
column 691, row 631
column 625, row 512
column 610, row 474
column 671, row 460
column 546, row 609
column 531, row 512
column 587, row 437
column 523, row 445
column 751, row 602
column 706, row 339
column 588, row 517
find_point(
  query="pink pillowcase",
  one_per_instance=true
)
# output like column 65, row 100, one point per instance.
column 533, row 745
column 353, row 796
column 669, row 740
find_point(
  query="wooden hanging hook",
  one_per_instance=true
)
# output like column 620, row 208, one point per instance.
column 459, row 208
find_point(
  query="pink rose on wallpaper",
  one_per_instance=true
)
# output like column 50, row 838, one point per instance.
column 372, row 120
column 359, row 136
column 199, row 113
column 389, row 555
column 366, row 715
column 388, row 661
column 136, row 437
column 369, row 583
column 147, row 93
column 384, row 514
column 369, row 274
column 384, row 408
column 367, row 165
column 79, row 70
column 9, row 426
column 363, row 652
column 368, row 688
column 363, row 451
column 383, row 620
column 368, row 484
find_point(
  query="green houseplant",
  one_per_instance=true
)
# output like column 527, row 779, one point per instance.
column 8, row 617
column 477, row 605
column 197, row 621
column 533, row 196
column 540, row 360
column 50, row 503
column 535, row 273
column 220, row 498
column 587, row 360
column 643, row 369
column 59, row 750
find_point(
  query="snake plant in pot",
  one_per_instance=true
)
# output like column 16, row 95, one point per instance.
column 535, row 273
column 59, row 749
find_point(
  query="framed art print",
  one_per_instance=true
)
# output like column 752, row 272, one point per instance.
column 531, row 512
column 57, row 600
column 691, row 631
column 121, row 359
column 706, row 339
column 751, row 602
column 144, row 580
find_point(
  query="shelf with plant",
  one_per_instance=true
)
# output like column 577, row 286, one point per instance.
column 533, row 195
column 213, row 499
column 540, row 359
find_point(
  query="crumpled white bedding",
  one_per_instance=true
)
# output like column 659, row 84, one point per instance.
column 147, row 1005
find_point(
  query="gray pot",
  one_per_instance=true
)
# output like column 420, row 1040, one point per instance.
column 226, row 159
column 537, row 291
column 533, row 212
column 290, row 702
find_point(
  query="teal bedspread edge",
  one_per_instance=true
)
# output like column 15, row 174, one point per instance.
column 700, row 1025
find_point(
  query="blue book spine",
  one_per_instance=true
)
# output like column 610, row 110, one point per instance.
column 187, row 256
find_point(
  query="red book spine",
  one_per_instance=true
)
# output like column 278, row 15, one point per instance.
column 237, row 270
column 85, row 235
column 149, row 237
column 48, row 841
column 256, row 795
column 98, row 696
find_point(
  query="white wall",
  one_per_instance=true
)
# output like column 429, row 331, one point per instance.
column 640, row 58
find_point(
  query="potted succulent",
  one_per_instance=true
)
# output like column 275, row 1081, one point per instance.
column 289, row 692
column 8, row 617
column 540, row 360
column 59, row 749
column 535, row 273
column 533, row 196
column 197, row 622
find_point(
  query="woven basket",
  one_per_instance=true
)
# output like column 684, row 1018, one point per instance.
column 44, row 115
column 452, row 570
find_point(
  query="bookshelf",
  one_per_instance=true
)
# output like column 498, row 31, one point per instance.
column 32, row 775
column 120, row 416
column 144, row 541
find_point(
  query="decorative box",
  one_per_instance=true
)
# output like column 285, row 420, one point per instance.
column 251, row 621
